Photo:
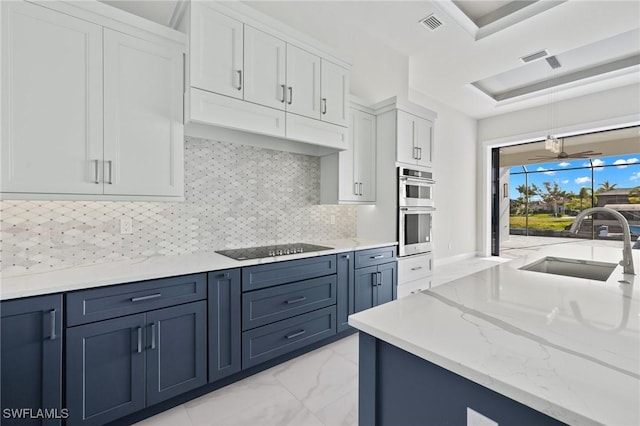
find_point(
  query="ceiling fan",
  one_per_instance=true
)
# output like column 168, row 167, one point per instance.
column 564, row 155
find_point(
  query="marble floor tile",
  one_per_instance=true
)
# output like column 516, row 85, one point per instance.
column 342, row 412
column 173, row 417
column 234, row 400
column 318, row 378
column 347, row 348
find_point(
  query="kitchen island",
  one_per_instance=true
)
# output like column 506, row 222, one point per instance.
column 516, row 346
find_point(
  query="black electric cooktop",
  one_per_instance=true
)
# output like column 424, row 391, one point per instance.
column 270, row 251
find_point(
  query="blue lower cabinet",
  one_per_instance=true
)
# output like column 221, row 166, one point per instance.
column 31, row 357
column 270, row 341
column 176, row 351
column 375, row 285
column 224, row 323
column 119, row 366
column 345, row 304
column 106, row 370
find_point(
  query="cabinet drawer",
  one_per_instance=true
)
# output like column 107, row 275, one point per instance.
column 377, row 256
column 264, row 343
column 412, row 287
column 414, row 267
column 110, row 302
column 261, row 276
column 277, row 303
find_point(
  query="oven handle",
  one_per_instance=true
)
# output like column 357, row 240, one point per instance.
column 418, row 209
column 418, row 180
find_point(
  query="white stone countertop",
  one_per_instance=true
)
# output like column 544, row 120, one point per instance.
column 568, row 347
column 102, row 274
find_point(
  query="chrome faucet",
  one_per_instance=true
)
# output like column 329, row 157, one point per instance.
column 627, row 256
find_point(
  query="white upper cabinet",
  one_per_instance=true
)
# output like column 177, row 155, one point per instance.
column 349, row 177
column 216, row 52
column 51, row 101
column 364, row 135
column 143, row 119
column 415, row 141
column 334, row 89
column 265, row 69
column 303, row 82
column 88, row 110
column 284, row 84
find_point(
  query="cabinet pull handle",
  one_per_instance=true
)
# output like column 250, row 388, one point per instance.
column 225, row 275
column 150, row 296
column 379, row 278
column 324, row 106
column 430, row 267
column 139, row 340
column 239, row 79
column 374, row 278
column 110, row 168
column 416, row 268
column 379, row 256
column 419, row 153
column 360, row 185
column 284, row 93
column 290, row 95
column 296, row 300
column 296, row 334
column 153, row 335
column 96, row 178
column 345, row 256
column 355, row 188
column 52, row 334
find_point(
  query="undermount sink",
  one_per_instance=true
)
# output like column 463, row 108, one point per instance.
column 572, row 268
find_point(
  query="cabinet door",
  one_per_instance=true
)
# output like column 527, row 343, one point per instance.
column 346, row 290
column 364, row 133
column 424, row 142
column 176, row 351
column 334, row 89
column 216, row 51
column 388, row 283
column 366, row 291
column 264, row 66
column 348, row 188
column 105, row 370
column 143, row 117
column 303, row 82
column 51, row 101
column 224, row 324
column 406, row 151
column 31, row 357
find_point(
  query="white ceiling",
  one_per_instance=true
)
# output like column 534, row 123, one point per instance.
column 444, row 62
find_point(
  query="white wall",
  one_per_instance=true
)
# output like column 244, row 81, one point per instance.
column 379, row 73
column 456, row 220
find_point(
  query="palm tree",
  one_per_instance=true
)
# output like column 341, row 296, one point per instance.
column 606, row 187
column 584, row 193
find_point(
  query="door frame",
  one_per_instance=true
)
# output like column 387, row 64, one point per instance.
column 485, row 202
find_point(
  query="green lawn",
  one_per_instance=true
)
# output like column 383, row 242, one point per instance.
column 541, row 221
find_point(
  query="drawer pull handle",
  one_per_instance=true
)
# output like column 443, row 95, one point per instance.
column 225, row 275
column 346, row 256
column 52, row 334
column 297, row 300
column 380, row 256
column 416, row 268
column 139, row 340
column 296, row 334
column 149, row 297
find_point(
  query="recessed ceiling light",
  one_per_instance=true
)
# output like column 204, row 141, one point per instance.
column 534, row 56
column 432, row 22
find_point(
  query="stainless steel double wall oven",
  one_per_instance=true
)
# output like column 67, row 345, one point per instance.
column 415, row 211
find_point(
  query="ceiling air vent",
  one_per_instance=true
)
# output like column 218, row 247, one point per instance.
column 534, row 56
column 432, row 22
column 553, row 62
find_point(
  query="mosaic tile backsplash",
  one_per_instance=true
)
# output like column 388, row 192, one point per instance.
column 235, row 196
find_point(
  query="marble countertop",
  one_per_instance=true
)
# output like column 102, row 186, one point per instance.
column 568, row 347
column 102, row 274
